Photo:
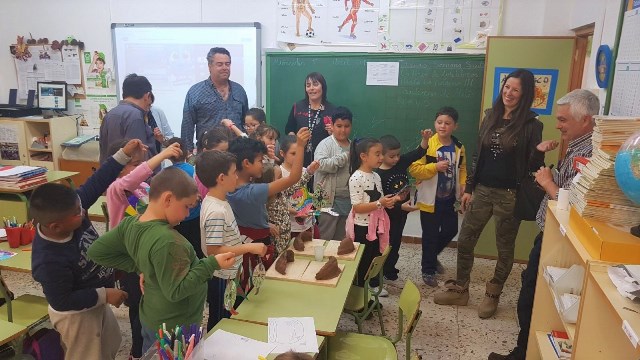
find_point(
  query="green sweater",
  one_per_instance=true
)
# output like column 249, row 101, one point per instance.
column 175, row 280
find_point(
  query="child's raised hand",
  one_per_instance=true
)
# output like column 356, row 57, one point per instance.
column 172, row 151
column 271, row 151
column 259, row 249
column 442, row 165
column 226, row 260
column 226, row 122
column 313, row 167
column 426, row 134
column 133, row 146
column 116, row 297
column 303, row 136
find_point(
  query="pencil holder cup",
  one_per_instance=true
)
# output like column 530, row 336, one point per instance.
column 27, row 235
column 13, row 236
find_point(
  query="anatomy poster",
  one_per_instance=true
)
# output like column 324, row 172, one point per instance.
column 338, row 22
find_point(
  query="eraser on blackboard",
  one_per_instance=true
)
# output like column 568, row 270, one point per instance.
column 457, row 40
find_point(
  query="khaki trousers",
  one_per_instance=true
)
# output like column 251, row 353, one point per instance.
column 89, row 334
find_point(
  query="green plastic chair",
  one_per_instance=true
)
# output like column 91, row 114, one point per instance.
column 25, row 310
column 358, row 301
column 354, row 346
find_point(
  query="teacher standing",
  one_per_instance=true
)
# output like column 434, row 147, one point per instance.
column 213, row 99
column 314, row 112
column 506, row 153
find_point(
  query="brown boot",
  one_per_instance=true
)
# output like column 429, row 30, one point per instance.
column 455, row 294
column 490, row 303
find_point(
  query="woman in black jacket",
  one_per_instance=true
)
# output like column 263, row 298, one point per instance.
column 506, row 153
column 314, row 112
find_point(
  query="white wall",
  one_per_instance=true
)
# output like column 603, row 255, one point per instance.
column 89, row 21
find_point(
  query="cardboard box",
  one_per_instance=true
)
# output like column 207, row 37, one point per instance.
column 605, row 242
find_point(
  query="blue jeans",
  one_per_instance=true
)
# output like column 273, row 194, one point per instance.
column 148, row 338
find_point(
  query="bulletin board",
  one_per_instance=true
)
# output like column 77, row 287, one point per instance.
column 551, row 61
column 47, row 64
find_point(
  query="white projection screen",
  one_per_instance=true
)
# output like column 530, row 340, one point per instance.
column 174, row 57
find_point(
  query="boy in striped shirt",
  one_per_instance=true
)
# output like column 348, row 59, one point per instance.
column 219, row 231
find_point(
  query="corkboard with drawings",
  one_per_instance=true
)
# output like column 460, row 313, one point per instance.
column 43, row 63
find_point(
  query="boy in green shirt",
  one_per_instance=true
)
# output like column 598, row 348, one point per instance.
column 175, row 280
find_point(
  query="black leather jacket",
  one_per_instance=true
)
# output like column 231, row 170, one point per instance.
column 528, row 158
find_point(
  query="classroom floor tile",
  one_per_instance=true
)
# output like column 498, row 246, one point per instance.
column 443, row 332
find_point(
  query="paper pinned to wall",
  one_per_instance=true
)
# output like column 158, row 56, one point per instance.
column 47, row 64
column 225, row 345
column 293, row 334
column 383, row 73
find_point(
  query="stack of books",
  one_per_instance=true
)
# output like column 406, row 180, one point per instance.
column 561, row 344
column 22, row 177
column 596, row 194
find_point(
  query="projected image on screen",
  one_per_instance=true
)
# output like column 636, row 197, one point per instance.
column 174, row 58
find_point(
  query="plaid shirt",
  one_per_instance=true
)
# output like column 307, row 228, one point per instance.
column 580, row 147
column 204, row 109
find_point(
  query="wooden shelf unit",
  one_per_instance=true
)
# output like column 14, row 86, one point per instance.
column 58, row 129
column 598, row 332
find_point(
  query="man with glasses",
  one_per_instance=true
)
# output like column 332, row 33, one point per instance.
column 128, row 120
column 216, row 98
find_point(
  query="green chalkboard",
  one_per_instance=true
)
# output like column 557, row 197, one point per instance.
column 426, row 83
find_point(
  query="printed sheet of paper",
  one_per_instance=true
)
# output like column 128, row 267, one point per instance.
column 224, row 345
column 383, row 73
column 293, row 334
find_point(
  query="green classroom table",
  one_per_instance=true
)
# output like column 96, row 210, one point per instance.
column 20, row 262
column 14, row 202
column 10, row 331
column 278, row 298
column 253, row 331
column 95, row 211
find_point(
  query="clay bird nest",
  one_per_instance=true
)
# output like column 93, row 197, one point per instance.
column 283, row 260
column 329, row 270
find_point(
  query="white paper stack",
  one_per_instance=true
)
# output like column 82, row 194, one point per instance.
column 596, row 194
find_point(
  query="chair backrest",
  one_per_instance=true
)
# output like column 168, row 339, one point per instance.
column 105, row 212
column 375, row 268
column 7, row 296
column 409, row 304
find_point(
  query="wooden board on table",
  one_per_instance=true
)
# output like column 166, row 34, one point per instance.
column 308, row 247
column 294, row 270
column 309, row 275
column 332, row 250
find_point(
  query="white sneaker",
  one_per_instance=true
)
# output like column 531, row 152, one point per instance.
column 383, row 293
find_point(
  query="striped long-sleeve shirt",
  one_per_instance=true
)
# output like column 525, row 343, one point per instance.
column 218, row 227
column 580, row 147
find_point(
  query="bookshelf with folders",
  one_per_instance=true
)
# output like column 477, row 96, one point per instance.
column 35, row 141
column 597, row 324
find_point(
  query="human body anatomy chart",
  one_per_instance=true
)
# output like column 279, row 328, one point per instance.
column 324, row 22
